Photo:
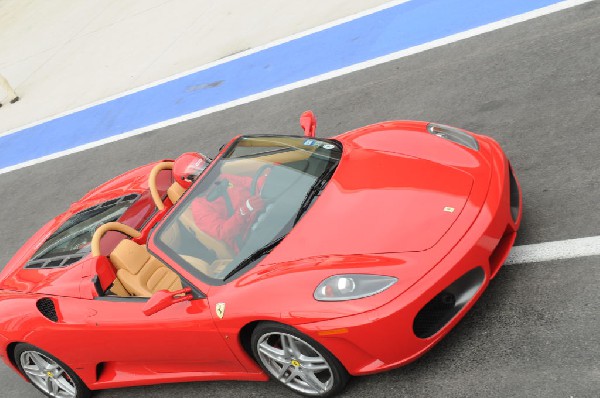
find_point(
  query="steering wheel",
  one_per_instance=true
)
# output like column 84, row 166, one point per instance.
column 152, row 183
column 221, row 249
column 260, row 173
column 111, row 226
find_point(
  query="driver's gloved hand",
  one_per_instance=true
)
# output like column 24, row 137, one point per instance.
column 253, row 205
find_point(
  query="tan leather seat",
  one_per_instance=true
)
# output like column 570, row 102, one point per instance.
column 118, row 289
column 213, row 270
column 140, row 273
column 175, row 192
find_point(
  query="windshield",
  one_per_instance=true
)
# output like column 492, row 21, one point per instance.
column 246, row 203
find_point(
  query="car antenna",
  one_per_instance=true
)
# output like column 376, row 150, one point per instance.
column 308, row 122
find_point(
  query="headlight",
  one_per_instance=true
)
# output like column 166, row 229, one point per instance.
column 352, row 286
column 454, row 135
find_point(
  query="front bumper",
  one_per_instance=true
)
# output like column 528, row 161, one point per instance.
column 385, row 338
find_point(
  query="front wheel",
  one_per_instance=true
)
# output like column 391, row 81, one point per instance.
column 48, row 374
column 297, row 361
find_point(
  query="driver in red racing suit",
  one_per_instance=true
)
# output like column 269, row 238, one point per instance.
column 229, row 222
column 229, row 209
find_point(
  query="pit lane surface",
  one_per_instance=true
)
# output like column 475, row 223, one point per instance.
column 535, row 88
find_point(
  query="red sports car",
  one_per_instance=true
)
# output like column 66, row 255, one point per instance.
column 302, row 259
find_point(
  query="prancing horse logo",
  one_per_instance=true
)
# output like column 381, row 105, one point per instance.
column 220, row 310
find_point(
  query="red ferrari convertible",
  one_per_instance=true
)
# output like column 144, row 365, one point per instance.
column 302, row 259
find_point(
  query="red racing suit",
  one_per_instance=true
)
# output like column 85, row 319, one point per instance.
column 215, row 219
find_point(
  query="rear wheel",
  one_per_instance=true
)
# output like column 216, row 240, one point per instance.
column 48, row 374
column 297, row 361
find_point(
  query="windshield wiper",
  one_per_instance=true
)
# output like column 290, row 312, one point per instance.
column 254, row 256
column 313, row 192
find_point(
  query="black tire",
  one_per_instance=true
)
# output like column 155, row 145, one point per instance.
column 23, row 353
column 292, row 367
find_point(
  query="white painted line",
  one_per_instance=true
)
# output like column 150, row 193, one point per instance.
column 559, row 250
column 326, row 76
column 214, row 63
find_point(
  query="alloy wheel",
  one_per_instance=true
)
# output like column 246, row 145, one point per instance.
column 295, row 363
column 47, row 375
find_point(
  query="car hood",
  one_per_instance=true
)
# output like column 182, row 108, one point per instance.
column 379, row 202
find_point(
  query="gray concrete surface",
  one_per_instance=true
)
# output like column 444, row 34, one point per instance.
column 535, row 88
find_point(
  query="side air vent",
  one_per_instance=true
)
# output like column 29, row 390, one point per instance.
column 47, row 309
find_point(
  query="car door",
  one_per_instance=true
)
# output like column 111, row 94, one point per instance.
column 180, row 338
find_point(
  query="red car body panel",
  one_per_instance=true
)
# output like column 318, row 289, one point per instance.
column 392, row 168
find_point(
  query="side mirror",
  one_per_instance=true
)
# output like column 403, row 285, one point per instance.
column 164, row 299
column 308, row 122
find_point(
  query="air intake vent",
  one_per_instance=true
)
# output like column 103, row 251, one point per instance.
column 447, row 304
column 70, row 243
column 47, row 309
column 127, row 198
column 55, row 262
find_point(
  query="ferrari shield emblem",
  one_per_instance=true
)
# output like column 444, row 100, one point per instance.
column 220, row 310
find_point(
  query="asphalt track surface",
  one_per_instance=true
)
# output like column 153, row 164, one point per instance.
column 535, row 87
